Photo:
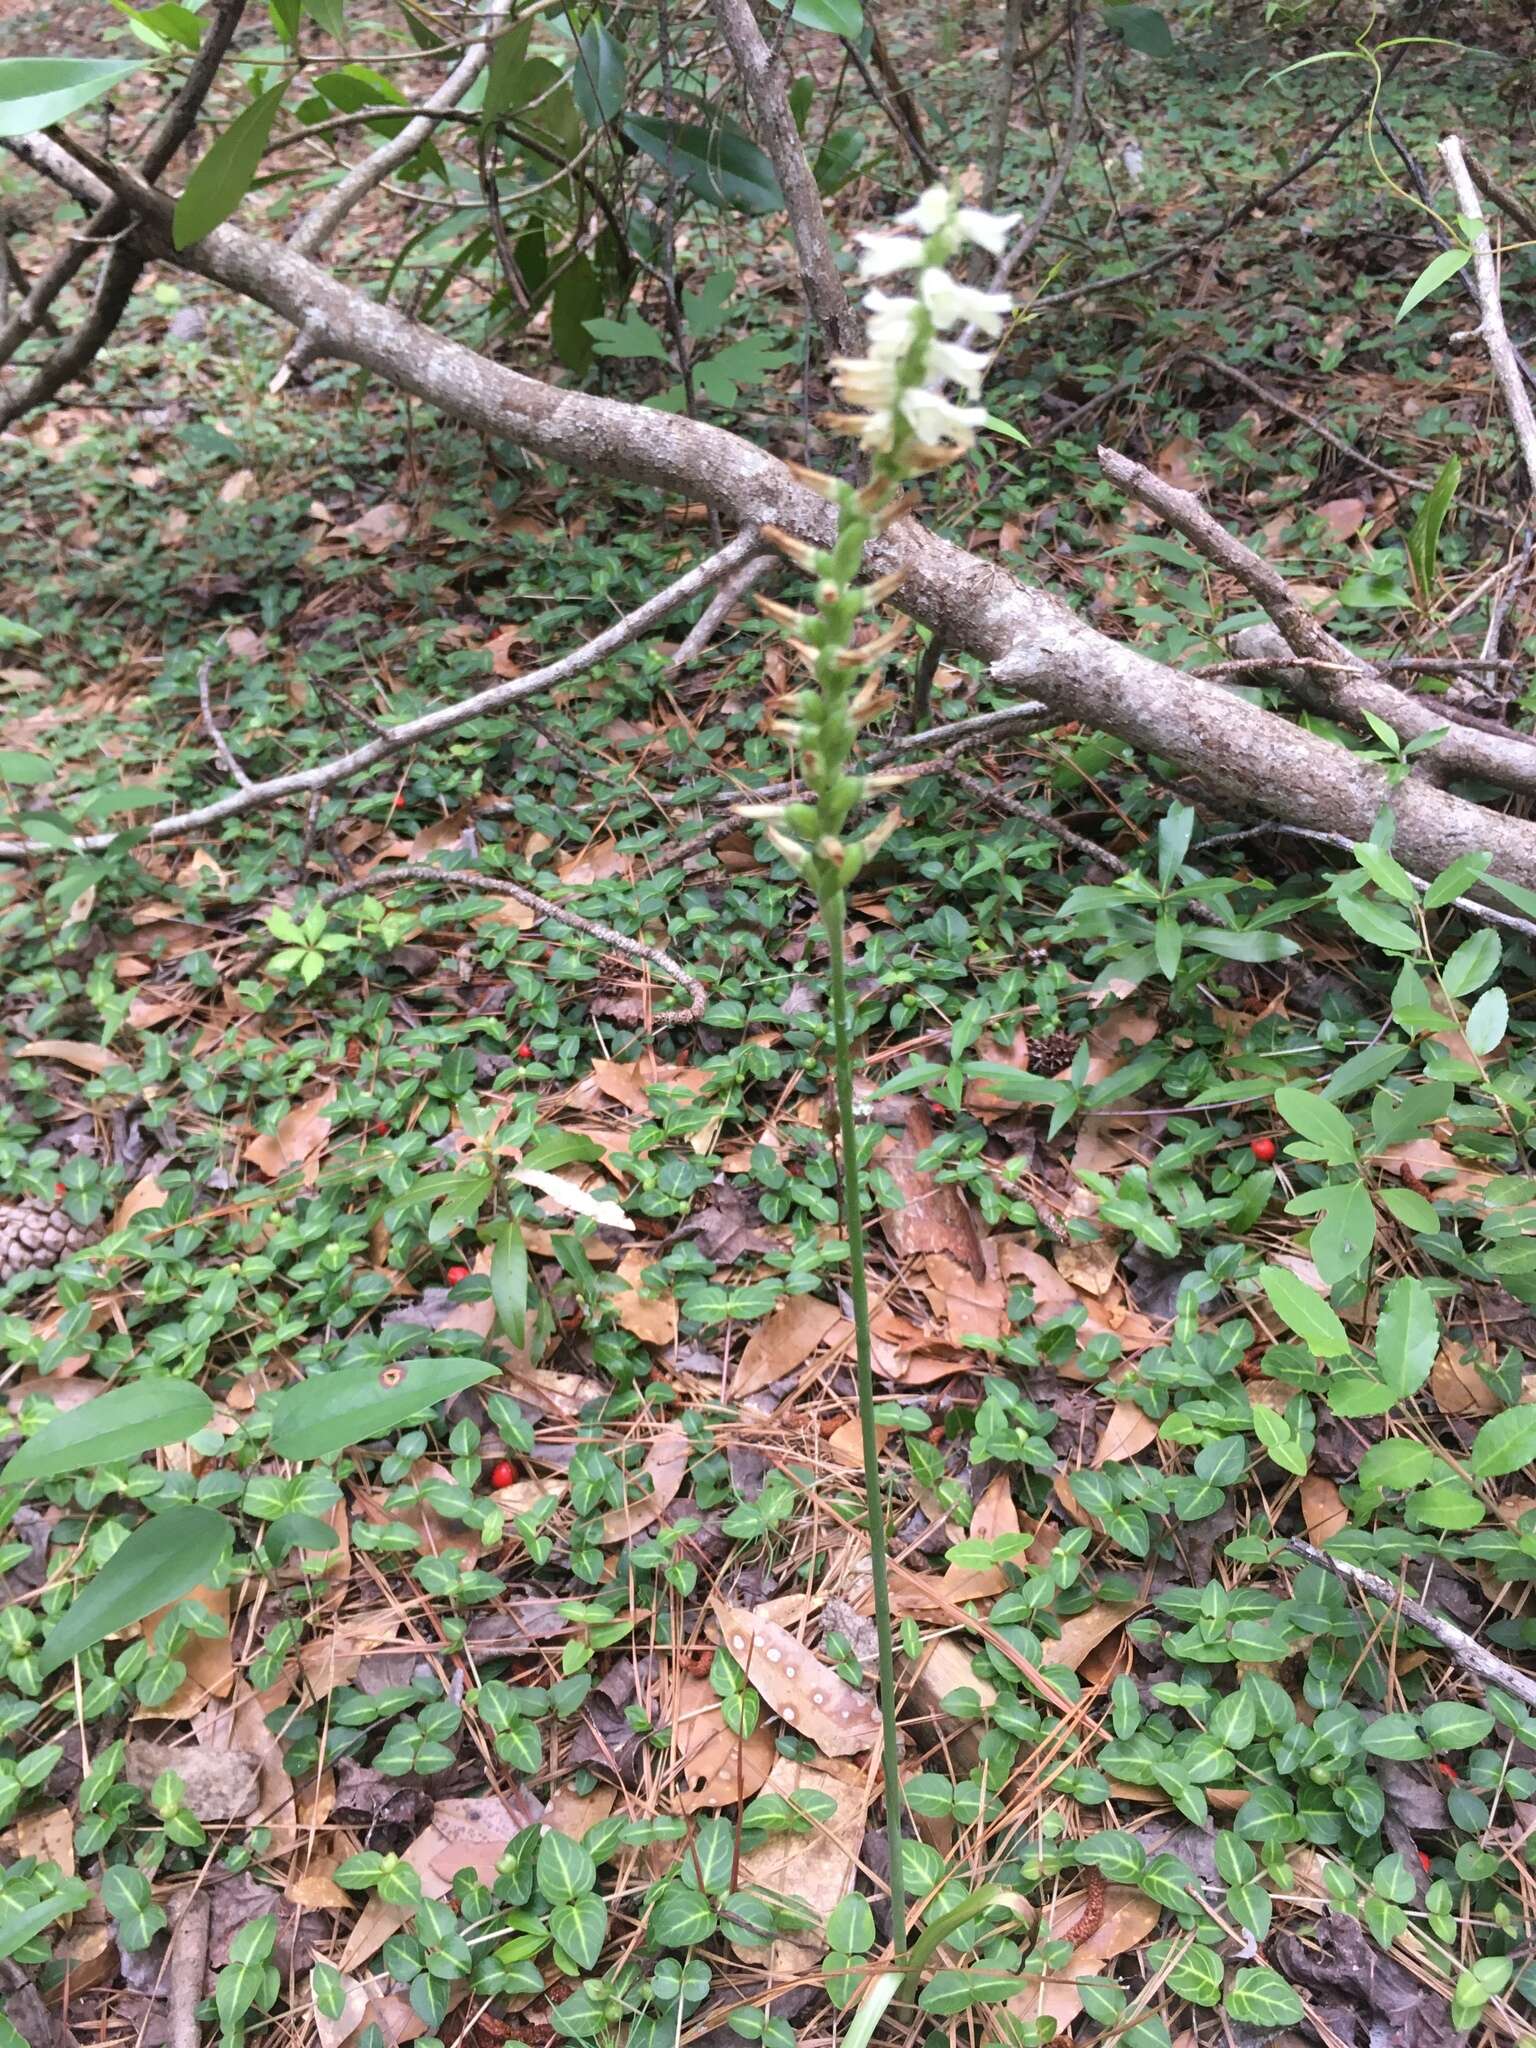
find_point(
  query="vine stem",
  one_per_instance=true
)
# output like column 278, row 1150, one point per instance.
column 832, row 904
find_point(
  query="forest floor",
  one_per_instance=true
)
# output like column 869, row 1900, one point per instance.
column 1203, row 1205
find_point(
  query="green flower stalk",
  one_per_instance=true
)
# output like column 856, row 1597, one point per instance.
column 903, row 417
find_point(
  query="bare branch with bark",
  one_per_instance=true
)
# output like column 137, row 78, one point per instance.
column 1501, row 353
column 764, row 77
column 1234, row 750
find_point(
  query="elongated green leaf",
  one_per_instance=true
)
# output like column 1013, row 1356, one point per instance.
column 949, row 1991
column 1505, row 1443
column 1424, row 539
column 1304, row 1311
column 329, row 1412
column 111, row 1429
column 1431, row 277
column 163, row 1559
column 597, row 75
column 715, row 164
column 1407, row 1337
column 509, row 1284
column 35, row 92
column 223, row 176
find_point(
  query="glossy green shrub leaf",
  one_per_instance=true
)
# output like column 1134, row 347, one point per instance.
column 223, row 175
column 114, row 1428
column 36, row 92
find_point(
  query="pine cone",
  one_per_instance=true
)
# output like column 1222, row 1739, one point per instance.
column 35, row 1235
column 1052, row 1051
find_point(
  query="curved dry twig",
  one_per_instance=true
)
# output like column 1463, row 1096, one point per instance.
column 612, row 941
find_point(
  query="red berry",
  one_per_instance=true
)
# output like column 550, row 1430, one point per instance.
column 1263, row 1149
column 381, row 1128
column 501, row 1475
column 457, row 1273
column 525, row 1051
column 1425, row 1861
column 59, row 1188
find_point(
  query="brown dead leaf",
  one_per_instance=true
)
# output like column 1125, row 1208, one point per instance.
column 92, row 1059
column 298, row 1140
column 995, row 1515
column 332, row 2033
column 380, row 527
column 1130, row 1918
column 600, row 861
column 716, row 1766
column 464, row 1834
column 664, row 1466
column 146, row 1193
column 934, row 1216
column 970, row 1307
column 210, row 1667
column 49, row 1836
column 1322, row 1509
column 800, row 1688
column 1457, row 1385
column 1084, row 1632
column 1343, row 517
column 650, row 1317
column 817, row 1867
column 780, row 1345
column 1127, row 1432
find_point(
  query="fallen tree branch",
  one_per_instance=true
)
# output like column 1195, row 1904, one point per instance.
column 739, row 584
column 1349, row 686
column 412, row 732
column 473, row 881
column 1234, row 749
column 763, row 75
column 1464, row 1650
column 1506, row 366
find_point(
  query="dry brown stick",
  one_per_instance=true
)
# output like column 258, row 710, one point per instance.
column 492, row 885
column 1092, row 849
column 1506, row 364
column 732, row 590
column 1507, row 201
column 1352, row 687
column 1239, row 752
column 188, row 1967
column 1274, row 400
column 1464, row 1650
column 110, row 219
column 764, row 77
column 220, row 745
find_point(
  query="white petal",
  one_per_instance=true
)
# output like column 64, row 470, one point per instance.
column 989, row 231
column 963, row 366
column 885, row 255
column 930, row 213
column 565, row 1194
column 934, row 419
column 949, row 303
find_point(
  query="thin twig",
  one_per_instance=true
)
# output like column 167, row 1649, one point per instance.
column 756, row 569
column 1464, row 1650
column 322, row 221
column 473, row 881
column 395, row 739
column 1002, row 105
column 220, row 745
column 1274, row 400
column 188, row 1968
column 1507, row 201
column 1496, row 339
column 1035, row 226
